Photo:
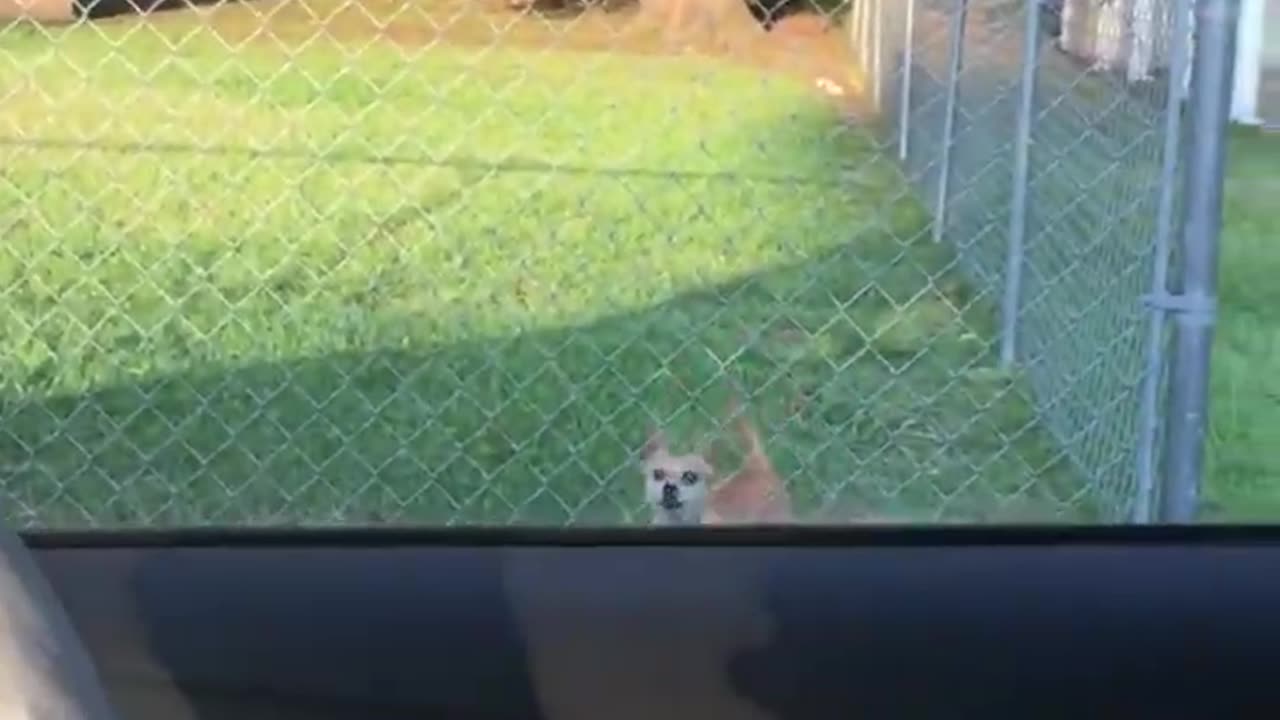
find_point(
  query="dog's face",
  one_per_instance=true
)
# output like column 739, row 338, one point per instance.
column 675, row 486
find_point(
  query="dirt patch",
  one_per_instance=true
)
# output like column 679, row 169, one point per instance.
column 808, row 45
column 805, row 45
column 817, row 48
column 47, row 11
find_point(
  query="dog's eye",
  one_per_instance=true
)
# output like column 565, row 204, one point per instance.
column 659, row 475
column 689, row 477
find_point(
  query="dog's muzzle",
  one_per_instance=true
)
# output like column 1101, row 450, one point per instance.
column 670, row 497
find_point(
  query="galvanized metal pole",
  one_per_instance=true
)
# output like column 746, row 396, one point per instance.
column 855, row 25
column 1149, row 404
column 877, row 37
column 954, row 66
column 1194, row 310
column 904, row 109
column 1015, row 251
column 864, row 35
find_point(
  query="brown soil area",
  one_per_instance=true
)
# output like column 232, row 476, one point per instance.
column 805, row 45
column 47, row 11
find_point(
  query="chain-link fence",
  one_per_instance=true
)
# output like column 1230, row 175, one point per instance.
column 316, row 261
column 1044, row 137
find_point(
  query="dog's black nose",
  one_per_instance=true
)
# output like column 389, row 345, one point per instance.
column 670, row 492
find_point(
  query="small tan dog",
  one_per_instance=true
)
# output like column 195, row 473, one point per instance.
column 678, row 487
column 675, row 486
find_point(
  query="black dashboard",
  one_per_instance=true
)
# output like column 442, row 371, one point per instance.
column 755, row 623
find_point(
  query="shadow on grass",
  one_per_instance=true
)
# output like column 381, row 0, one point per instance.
column 866, row 363
column 542, row 427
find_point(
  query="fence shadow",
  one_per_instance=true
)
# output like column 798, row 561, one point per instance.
column 542, row 426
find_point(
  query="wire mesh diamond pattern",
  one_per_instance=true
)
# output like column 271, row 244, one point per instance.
column 448, row 262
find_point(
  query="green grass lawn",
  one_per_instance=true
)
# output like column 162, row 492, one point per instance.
column 1243, row 464
column 288, row 284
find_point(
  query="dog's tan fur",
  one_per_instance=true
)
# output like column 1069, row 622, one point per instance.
column 689, row 472
column 755, row 493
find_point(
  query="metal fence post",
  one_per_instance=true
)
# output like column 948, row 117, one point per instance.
column 1149, row 408
column 1014, row 254
column 855, row 8
column 864, row 32
column 1194, row 309
column 877, row 30
column 954, row 66
column 904, row 109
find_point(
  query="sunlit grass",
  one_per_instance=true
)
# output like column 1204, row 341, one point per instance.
column 1244, row 467
column 283, row 284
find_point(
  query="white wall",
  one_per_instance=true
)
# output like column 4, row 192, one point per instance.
column 1122, row 35
column 1249, row 44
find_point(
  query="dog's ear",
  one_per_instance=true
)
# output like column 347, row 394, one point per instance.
column 712, row 450
column 656, row 442
column 734, row 414
column 732, row 407
column 706, row 449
